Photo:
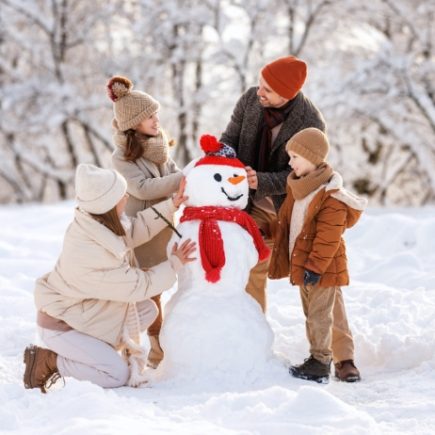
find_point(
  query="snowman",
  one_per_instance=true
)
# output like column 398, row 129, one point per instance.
column 212, row 327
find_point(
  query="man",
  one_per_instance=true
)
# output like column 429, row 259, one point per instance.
column 264, row 119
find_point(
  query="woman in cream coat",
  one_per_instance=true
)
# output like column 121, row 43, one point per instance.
column 95, row 303
column 142, row 157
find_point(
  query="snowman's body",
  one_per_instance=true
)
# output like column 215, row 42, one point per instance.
column 215, row 328
column 240, row 257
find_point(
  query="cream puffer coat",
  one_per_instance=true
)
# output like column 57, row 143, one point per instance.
column 94, row 282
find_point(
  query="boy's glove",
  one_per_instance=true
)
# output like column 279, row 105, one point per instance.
column 311, row 278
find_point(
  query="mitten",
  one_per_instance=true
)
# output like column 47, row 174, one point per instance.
column 311, row 278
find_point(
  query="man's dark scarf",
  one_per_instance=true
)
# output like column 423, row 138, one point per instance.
column 271, row 118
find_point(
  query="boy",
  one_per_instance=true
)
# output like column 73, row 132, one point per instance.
column 310, row 250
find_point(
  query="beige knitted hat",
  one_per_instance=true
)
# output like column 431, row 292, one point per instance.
column 310, row 143
column 98, row 190
column 130, row 107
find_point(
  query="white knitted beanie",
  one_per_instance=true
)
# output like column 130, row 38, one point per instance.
column 98, row 190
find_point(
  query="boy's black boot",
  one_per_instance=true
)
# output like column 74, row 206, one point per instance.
column 312, row 370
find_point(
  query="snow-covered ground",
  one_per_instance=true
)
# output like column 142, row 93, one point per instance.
column 391, row 309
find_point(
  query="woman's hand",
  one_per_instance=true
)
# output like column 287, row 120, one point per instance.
column 179, row 197
column 186, row 248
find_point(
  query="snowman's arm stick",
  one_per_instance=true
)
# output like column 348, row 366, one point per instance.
column 168, row 222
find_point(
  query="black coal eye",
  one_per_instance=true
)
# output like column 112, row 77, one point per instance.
column 235, row 175
column 218, row 177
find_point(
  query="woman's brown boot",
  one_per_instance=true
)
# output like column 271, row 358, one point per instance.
column 41, row 367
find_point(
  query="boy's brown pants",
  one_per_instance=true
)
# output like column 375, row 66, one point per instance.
column 326, row 323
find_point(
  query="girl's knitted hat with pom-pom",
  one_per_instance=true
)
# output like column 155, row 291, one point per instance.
column 130, row 107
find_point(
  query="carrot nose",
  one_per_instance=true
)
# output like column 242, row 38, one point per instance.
column 236, row 180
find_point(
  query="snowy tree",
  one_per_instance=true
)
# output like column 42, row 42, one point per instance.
column 170, row 34
column 48, row 94
column 371, row 72
column 382, row 108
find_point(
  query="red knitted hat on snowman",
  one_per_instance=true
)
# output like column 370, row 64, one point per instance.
column 217, row 153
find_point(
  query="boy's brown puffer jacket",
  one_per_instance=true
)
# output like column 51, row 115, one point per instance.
column 319, row 247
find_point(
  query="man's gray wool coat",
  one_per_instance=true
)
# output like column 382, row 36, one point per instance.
column 242, row 135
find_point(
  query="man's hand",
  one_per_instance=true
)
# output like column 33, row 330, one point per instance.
column 252, row 177
column 311, row 278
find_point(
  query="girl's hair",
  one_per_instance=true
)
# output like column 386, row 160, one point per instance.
column 133, row 149
column 110, row 220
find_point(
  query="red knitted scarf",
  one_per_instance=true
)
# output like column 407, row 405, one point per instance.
column 211, row 246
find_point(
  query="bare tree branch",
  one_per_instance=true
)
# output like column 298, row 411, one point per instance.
column 33, row 19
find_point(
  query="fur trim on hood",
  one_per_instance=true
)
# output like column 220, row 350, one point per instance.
column 343, row 195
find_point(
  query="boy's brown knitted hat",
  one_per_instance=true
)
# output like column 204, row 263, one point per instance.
column 130, row 107
column 311, row 143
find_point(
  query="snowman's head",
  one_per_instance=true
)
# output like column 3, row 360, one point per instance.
column 218, row 179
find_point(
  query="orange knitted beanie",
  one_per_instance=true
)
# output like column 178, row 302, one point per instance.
column 285, row 76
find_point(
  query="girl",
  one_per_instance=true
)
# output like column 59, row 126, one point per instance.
column 142, row 157
column 96, row 302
